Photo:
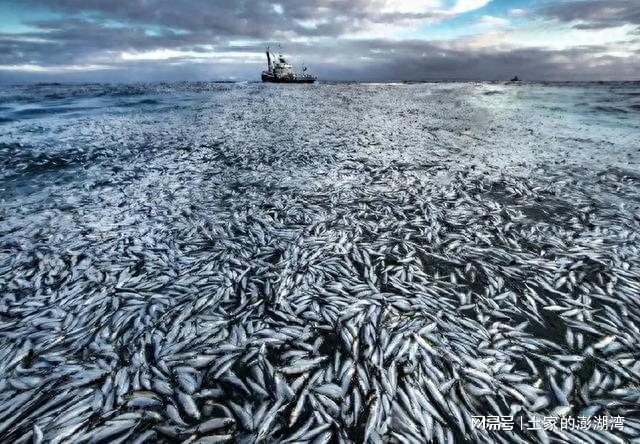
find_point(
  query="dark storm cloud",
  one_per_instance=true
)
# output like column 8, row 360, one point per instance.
column 110, row 27
column 116, row 26
column 595, row 14
column 243, row 18
column 416, row 60
column 75, row 41
column 382, row 60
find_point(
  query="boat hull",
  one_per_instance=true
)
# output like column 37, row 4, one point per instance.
column 273, row 79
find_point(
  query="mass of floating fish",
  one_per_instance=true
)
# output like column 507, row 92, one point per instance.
column 333, row 263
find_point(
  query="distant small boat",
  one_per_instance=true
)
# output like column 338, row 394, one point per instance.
column 280, row 71
column 515, row 79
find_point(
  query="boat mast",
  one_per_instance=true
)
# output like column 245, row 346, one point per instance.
column 268, row 60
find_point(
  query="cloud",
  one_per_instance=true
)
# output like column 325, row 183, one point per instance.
column 437, row 61
column 370, row 60
column 489, row 21
column 90, row 31
column 595, row 14
column 32, row 68
column 463, row 6
column 593, row 26
column 355, row 40
column 263, row 18
column 518, row 13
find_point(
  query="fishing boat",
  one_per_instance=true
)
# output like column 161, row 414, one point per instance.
column 281, row 71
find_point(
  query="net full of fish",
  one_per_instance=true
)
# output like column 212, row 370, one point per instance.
column 190, row 263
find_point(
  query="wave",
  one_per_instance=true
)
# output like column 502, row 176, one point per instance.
column 43, row 112
column 140, row 103
column 611, row 109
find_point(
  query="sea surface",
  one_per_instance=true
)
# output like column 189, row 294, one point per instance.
column 245, row 262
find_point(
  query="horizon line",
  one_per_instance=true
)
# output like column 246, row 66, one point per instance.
column 319, row 81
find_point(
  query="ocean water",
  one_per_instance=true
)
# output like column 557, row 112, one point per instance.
column 330, row 262
column 51, row 132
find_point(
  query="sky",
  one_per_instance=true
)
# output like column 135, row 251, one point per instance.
column 358, row 40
